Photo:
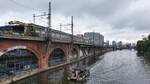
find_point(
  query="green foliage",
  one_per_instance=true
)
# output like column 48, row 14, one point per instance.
column 143, row 46
column 140, row 46
column 148, row 37
column 147, row 53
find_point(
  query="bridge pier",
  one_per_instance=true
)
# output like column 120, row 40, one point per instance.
column 70, row 52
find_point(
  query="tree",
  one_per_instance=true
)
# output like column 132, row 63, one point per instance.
column 148, row 37
column 140, row 46
column 143, row 46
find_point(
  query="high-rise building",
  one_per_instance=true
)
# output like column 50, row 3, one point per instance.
column 96, row 38
column 120, row 44
column 114, row 44
column 107, row 44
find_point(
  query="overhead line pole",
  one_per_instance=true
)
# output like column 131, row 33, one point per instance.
column 34, row 18
column 72, row 28
column 49, row 16
column 49, row 21
column 49, row 38
column 48, row 31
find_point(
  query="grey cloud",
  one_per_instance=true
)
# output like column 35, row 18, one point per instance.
column 97, row 8
column 22, row 6
column 115, row 14
column 104, row 10
column 136, row 16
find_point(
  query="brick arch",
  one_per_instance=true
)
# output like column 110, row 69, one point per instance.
column 77, row 53
column 37, row 54
column 77, row 49
column 50, row 52
column 31, row 46
column 27, row 48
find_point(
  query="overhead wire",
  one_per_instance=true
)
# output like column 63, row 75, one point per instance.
column 22, row 5
column 19, row 4
column 42, row 19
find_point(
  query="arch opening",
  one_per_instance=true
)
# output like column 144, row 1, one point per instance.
column 73, row 54
column 17, row 60
column 57, row 57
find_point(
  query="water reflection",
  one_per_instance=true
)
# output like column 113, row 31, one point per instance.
column 50, row 77
column 56, row 76
column 118, row 67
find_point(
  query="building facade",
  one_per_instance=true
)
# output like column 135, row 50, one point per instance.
column 96, row 38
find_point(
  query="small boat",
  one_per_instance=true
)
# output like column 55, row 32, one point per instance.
column 79, row 74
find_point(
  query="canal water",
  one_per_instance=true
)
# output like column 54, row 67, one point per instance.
column 117, row 67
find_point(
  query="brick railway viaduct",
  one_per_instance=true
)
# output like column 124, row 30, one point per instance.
column 43, row 48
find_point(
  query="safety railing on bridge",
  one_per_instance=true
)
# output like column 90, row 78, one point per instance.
column 65, row 37
column 22, row 32
column 36, row 32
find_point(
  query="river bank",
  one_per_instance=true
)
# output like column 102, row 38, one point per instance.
column 117, row 67
column 26, row 74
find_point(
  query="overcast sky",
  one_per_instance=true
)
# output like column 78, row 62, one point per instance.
column 120, row 20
